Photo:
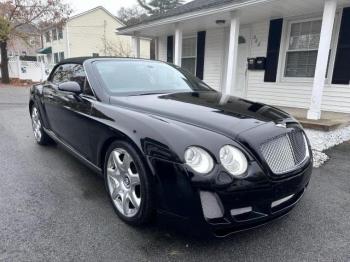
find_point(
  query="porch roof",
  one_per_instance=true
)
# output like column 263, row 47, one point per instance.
column 201, row 15
column 195, row 5
column 45, row 50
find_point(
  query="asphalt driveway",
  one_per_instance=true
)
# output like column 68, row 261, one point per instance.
column 53, row 208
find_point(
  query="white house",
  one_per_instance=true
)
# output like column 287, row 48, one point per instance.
column 87, row 34
column 300, row 49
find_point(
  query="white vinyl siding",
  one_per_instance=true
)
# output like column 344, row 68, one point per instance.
column 289, row 93
column 214, row 57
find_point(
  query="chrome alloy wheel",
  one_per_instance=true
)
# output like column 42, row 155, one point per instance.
column 36, row 124
column 123, row 182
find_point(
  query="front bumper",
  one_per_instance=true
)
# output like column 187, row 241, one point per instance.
column 249, row 208
column 245, row 204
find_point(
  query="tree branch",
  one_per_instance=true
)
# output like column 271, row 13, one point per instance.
column 144, row 5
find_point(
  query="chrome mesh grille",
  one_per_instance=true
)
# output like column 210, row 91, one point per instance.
column 285, row 153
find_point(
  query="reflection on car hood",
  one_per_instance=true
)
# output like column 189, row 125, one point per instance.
column 211, row 110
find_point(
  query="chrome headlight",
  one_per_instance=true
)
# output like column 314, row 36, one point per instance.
column 233, row 160
column 199, row 159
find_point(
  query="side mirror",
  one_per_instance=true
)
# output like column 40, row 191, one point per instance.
column 70, row 86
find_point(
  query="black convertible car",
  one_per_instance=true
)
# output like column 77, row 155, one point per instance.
column 165, row 141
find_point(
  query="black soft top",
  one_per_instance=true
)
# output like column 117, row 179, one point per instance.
column 82, row 59
column 74, row 60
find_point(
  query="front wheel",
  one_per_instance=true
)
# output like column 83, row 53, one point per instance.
column 128, row 184
column 39, row 134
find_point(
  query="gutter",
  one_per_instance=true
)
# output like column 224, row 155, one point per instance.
column 194, row 14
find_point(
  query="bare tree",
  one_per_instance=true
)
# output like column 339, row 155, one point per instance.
column 118, row 49
column 159, row 6
column 16, row 13
column 131, row 15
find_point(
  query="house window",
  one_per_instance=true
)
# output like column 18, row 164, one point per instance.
column 189, row 54
column 302, row 48
column 47, row 36
column 60, row 33
column 54, row 34
column 61, row 55
column 55, row 58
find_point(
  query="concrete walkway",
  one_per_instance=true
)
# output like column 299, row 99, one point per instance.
column 329, row 120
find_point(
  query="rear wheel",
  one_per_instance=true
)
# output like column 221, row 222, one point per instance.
column 39, row 134
column 128, row 184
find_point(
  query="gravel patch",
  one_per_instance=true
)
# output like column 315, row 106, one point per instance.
column 321, row 141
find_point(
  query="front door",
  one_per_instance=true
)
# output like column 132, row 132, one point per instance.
column 242, row 65
column 69, row 113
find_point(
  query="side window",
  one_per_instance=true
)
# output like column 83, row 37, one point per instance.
column 72, row 72
column 87, row 88
column 78, row 74
column 56, row 76
column 62, row 74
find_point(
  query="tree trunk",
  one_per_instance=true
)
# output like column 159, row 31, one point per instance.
column 5, row 78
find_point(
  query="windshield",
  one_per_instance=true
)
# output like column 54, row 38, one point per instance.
column 142, row 77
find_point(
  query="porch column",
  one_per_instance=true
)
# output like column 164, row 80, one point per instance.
column 322, row 59
column 136, row 46
column 231, row 65
column 178, row 45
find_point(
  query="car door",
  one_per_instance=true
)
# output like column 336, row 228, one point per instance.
column 69, row 114
column 51, row 100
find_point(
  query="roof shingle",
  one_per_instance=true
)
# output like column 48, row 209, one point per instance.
column 195, row 5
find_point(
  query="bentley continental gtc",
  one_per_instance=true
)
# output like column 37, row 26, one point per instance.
column 167, row 143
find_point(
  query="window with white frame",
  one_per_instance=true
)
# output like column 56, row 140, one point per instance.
column 54, row 34
column 47, row 36
column 189, row 54
column 56, row 58
column 302, row 48
column 60, row 33
column 61, row 55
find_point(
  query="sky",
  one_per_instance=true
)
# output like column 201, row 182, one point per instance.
column 111, row 5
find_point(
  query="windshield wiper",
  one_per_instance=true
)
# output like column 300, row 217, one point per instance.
column 149, row 93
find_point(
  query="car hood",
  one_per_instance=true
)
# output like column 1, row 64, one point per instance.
column 210, row 110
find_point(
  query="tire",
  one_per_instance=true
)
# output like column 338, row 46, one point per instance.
column 39, row 134
column 128, row 183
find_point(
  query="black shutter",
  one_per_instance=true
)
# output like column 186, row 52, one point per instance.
column 341, row 72
column 273, row 50
column 170, row 49
column 200, row 54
